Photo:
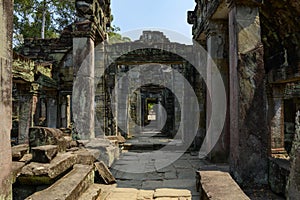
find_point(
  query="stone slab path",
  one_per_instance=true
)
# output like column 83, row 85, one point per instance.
column 157, row 170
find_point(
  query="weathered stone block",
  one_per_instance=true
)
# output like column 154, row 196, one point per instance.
column 40, row 136
column 46, row 173
column 44, row 154
column 19, row 151
column 70, row 187
column 84, row 157
column 219, row 185
column 103, row 174
column 103, row 150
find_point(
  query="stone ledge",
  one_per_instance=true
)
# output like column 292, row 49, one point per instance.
column 219, row 185
column 69, row 187
column 167, row 192
column 46, row 173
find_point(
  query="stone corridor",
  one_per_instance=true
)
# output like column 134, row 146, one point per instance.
column 140, row 166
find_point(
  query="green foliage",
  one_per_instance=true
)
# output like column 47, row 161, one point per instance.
column 28, row 17
column 115, row 36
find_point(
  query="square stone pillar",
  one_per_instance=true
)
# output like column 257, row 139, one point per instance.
column 51, row 112
column 217, row 47
column 276, row 117
column 248, row 123
column 6, row 19
column 25, row 118
column 83, row 97
column 100, row 119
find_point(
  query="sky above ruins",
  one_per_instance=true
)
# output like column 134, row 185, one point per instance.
column 170, row 15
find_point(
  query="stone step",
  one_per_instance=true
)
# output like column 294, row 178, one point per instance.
column 106, row 190
column 159, row 194
column 46, row 173
column 219, row 185
column 69, row 187
column 92, row 193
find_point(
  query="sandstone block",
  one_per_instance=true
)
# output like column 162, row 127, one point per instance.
column 40, row 136
column 46, row 173
column 19, row 151
column 44, row 154
column 103, row 174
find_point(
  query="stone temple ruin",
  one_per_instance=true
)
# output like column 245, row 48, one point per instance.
column 76, row 108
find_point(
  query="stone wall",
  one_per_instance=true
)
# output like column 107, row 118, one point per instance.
column 263, row 79
column 5, row 97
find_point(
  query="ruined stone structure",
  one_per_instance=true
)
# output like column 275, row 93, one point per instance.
column 256, row 46
column 57, row 64
column 149, row 66
column 99, row 89
column 5, row 97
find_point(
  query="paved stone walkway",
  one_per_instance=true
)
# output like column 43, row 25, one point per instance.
column 179, row 174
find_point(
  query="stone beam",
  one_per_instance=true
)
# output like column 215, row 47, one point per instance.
column 248, row 123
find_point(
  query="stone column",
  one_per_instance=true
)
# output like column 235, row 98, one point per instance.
column 276, row 117
column 6, row 19
column 217, row 47
column 51, row 112
column 100, row 92
column 248, row 124
column 83, row 98
column 25, row 117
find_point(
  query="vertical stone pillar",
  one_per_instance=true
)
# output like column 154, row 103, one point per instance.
column 6, row 18
column 276, row 118
column 248, row 124
column 217, row 47
column 83, row 98
column 51, row 112
column 25, row 117
column 100, row 92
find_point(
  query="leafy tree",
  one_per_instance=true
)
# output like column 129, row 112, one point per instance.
column 41, row 18
column 114, row 35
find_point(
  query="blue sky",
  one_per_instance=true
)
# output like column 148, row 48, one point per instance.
column 171, row 15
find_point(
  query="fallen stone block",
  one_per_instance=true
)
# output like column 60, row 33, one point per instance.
column 69, row 187
column 19, row 151
column 40, row 136
column 44, row 154
column 46, row 173
column 219, row 185
column 84, row 157
column 103, row 150
column 103, row 174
